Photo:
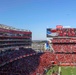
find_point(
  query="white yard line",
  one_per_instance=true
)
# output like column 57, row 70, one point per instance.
column 59, row 70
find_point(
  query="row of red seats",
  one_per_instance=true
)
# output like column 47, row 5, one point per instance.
column 66, row 58
column 64, row 47
column 63, row 40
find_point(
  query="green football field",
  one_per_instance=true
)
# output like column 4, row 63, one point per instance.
column 65, row 70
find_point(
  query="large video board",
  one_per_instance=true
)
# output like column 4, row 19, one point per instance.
column 61, row 32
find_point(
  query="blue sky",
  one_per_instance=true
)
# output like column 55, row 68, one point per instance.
column 37, row 15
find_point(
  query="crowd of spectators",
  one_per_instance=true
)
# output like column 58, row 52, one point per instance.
column 64, row 44
column 35, row 64
column 30, row 65
column 63, row 40
column 11, row 55
column 23, row 66
column 66, row 58
column 28, row 62
column 64, row 47
column 67, row 31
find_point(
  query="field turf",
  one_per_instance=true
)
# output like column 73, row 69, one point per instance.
column 65, row 70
